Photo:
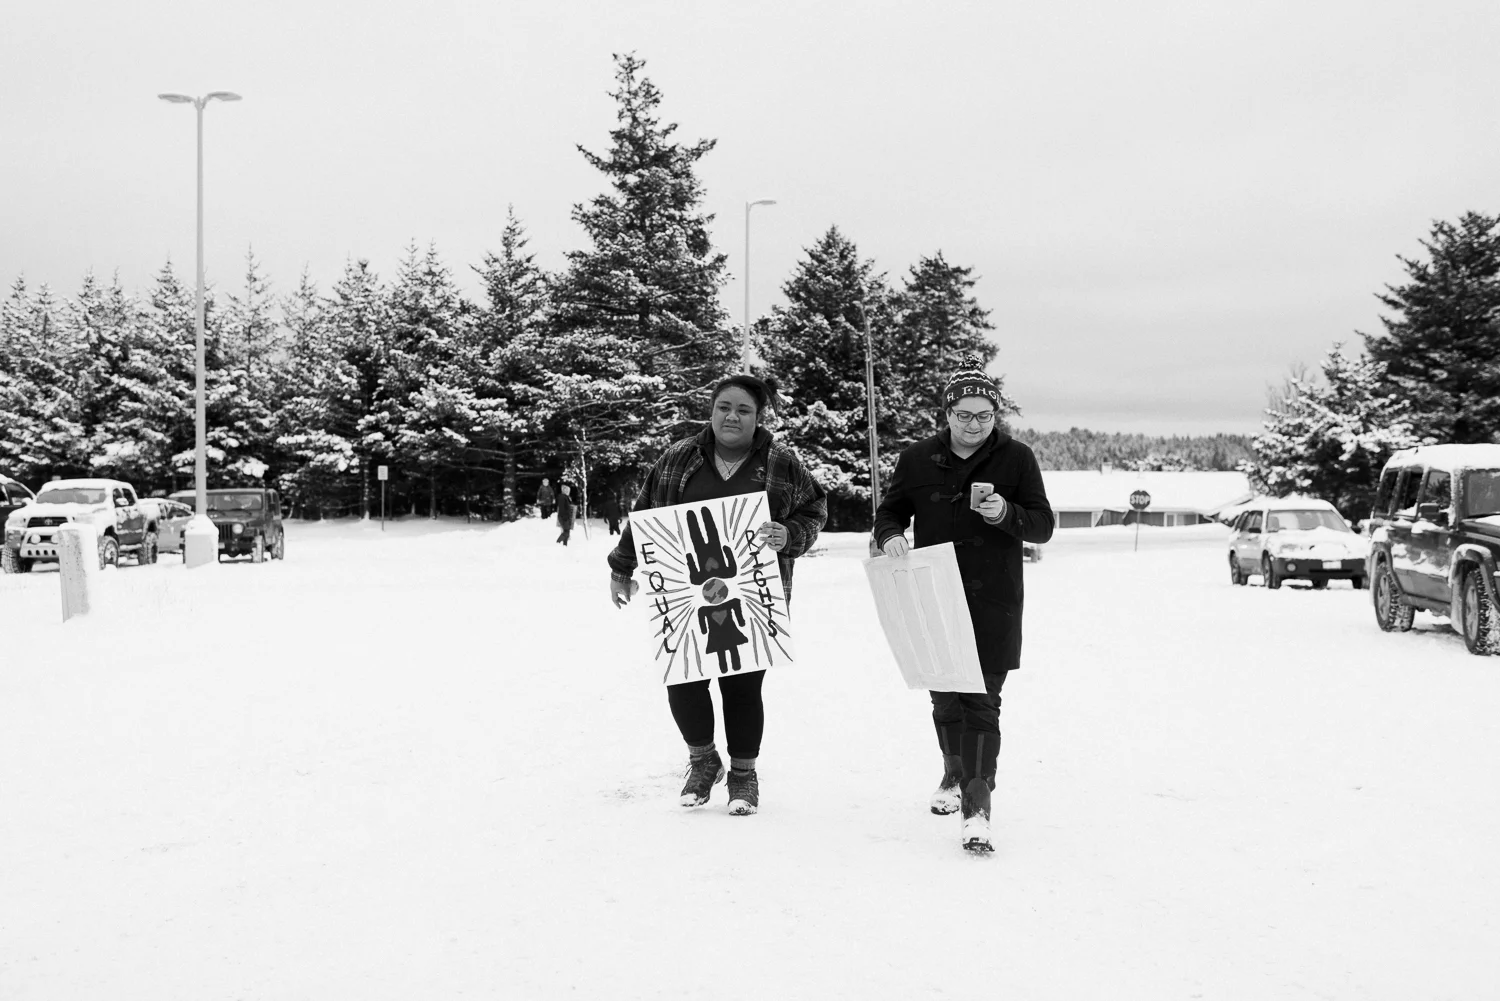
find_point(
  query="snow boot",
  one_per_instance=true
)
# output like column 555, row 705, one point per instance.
column 950, row 789
column 975, row 833
column 704, row 771
column 949, row 793
column 981, row 753
column 744, row 792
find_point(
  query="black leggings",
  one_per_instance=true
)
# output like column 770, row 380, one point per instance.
column 744, row 713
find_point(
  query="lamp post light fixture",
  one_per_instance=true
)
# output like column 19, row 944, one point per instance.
column 745, row 346
column 200, row 543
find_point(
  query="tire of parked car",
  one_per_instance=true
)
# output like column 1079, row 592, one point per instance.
column 148, row 551
column 11, row 562
column 278, row 551
column 1236, row 575
column 109, row 552
column 1478, row 613
column 1390, row 614
column 258, row 552
column 1268, row 572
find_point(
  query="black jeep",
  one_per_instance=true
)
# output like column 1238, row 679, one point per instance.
column 248, row 520
column 1435, row 541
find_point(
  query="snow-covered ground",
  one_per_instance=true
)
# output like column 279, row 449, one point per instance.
column 429, row 763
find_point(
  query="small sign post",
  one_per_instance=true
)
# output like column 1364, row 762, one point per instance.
column 382, row 473
column 1139, row 501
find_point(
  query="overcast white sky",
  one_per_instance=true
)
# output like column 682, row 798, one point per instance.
column 1168, row 204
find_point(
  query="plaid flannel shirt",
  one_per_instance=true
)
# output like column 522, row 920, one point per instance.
column 796, row 499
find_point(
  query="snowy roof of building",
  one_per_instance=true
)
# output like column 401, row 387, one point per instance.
column 1452, row 456
column 1091, row 490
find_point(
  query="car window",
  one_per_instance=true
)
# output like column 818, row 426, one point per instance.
column 1438, row 489
column 1411, row 483
column 235, row 502
column 1482, row 492
column 71, row 495
column 1307, row 520
column 1387, row 492
column 1254, row 522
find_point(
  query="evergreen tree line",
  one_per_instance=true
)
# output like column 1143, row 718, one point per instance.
column 584, row 374
column 1079, row 448
column 1431, row 375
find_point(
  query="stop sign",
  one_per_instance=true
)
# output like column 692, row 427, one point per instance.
column 1140, row 500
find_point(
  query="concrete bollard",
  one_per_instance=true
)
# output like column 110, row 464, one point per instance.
column 77, row 566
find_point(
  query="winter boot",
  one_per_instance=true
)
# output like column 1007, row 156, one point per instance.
column 704, row 771
column 950, row 789
column 949, row 793
column 981, row 752
column 744, row 791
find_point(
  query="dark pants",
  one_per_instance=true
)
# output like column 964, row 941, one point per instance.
column 969, row 725
column 567, row 530
column 614, row 523
column 744, row 713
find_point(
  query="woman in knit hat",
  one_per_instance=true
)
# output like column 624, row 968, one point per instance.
column 975, row 486
column 731, row 455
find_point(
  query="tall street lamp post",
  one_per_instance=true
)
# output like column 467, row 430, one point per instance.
column 200, row 543
column 745, row 347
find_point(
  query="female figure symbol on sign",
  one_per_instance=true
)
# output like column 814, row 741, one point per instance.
column 717, row 621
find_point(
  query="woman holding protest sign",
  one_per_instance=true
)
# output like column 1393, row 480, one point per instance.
column 733, row 454
column 975, row 486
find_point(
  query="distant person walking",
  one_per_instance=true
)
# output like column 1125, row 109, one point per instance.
column 731, row 455
column 565, row 513
column 612, row 512
column 938, row 484
column 544, row 498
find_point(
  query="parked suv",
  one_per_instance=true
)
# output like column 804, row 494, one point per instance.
column 1294, row 538
column 248, row 520
column 12, row 496
column 111, row 506
column 1435, row 539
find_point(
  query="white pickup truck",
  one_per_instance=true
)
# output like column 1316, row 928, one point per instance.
column 124, row 525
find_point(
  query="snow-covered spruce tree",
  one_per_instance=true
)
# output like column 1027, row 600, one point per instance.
column 244, row 385
column 313, row 380
column 39, row 413
column 938, row 322
column 505, row 349
column 338, row 357
column 120, row 387
column 815, row 347
column 1331, row 437
column 421, row 421
column 1441, row 346
column 638, row 334
column 160, row 407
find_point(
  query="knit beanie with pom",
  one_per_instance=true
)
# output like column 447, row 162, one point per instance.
column 970, row 380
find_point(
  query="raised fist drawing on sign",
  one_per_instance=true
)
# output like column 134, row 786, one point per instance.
column 714, row 559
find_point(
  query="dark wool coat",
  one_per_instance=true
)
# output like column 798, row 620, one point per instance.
column 565, row 508
column 931, row 487
column 796, row 499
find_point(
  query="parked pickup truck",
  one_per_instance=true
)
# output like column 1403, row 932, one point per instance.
column 123, row 524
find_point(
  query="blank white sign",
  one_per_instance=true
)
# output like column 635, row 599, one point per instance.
column 925, row 614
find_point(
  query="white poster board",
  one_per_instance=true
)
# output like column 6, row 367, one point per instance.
column 716, row 603
column 925, row 614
